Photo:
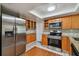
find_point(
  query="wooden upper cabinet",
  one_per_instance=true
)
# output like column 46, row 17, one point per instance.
column 28, row 27
column 34, row 25
column 30, row 24
column 51, row 21
column 66, row 22
column 75, row 22
column 54, row 20
column 27, row 24
column 46, row 24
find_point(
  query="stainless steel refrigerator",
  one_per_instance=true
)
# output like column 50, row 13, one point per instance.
column 13, row 35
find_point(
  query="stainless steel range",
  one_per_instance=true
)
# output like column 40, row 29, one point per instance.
column 54, row 38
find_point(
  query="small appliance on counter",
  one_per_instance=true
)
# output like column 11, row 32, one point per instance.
column 54, row 38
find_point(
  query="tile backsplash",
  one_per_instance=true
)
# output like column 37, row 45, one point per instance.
column 30, row 31
column 71, row 31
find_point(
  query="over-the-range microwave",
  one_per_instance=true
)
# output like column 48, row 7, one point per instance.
column 55, row 24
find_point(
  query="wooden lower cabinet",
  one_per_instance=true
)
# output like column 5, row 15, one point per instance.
column 44, row 40
column 30, row 37
column 66, row 45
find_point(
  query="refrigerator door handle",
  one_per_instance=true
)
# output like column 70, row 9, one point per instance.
column 14, row 30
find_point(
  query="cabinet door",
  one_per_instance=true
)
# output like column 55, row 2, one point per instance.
column 33, row 37
column 30, row 37
column 66, row 45
column 27, row 24
column 30, row 25
column 46, row 24
column 51, row 20
column 44, row 40
column 66, row 22
column 34, row 25
column 75, row 22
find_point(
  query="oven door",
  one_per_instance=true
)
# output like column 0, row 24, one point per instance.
column 54, row 42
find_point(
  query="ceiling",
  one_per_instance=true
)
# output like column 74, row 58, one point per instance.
column 39, row 10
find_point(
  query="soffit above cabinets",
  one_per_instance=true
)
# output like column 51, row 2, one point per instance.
column 23, row 8
column 39, row 10
column 61, row 8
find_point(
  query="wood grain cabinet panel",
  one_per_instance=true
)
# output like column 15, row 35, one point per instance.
column 27, row 24
column 33, row 37
column 51, row 21
column 30, row 37
column 34, row 25
column 46, row 24
column 44, row 40
column 66, row 44
column 66, row 22
column 30, row 25
column 75, row 22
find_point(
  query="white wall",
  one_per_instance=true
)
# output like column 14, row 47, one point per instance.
column 39, row 30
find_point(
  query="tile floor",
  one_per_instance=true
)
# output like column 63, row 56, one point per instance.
column 48, row 48
column 36, row 51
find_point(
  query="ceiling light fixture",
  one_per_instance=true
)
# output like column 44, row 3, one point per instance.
column 52, row 8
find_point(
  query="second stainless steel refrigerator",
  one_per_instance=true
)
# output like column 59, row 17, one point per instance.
column 13, row 35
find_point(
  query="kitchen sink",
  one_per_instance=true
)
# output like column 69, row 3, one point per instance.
column 77, row 39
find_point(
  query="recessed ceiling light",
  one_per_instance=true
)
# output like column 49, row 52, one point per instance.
column 52, row 8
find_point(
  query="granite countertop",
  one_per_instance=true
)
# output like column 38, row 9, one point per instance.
column 30, row 31
column 75, row 35
column 75, row 43
column 71, row 37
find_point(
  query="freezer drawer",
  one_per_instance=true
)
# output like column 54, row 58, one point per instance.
column 20, row 48
column 8, row 51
